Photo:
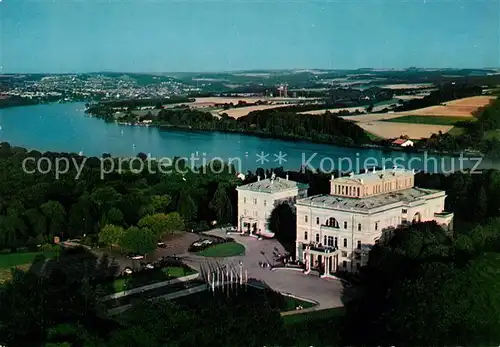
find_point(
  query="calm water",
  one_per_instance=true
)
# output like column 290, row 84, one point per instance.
column 66, row 128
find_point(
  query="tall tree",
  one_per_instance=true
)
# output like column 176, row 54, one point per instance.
column 138, row 240
column 221, row 205
column 111, row 235
column 56, row 217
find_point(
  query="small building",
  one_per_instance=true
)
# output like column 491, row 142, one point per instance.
column 335, row 232
column 257, row 200
column 403, row 143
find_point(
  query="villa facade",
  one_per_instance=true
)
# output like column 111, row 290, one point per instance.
column 257, row 200
column 335, row 232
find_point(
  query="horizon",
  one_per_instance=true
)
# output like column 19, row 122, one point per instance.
column 302, row 70
column 160, row 37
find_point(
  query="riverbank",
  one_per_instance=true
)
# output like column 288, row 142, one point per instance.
column 372, row 146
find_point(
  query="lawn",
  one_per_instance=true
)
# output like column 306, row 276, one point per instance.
column 145, row 278
column 292, row 304
column 316, row 328
column 223, row 250
column 329, row 313
column 372, row 136
column 20, row 260
column 433, row 120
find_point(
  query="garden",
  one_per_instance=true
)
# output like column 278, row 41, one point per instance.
column 215, row 246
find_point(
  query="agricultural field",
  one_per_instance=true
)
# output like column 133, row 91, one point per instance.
column 433, row 120
column 407, row 86
column 430, row 120
column 391, row 130
column 465, row 107
column 409, row 97
column 243, row 111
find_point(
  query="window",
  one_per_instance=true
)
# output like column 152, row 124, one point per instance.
column 376, row 225
column 336, row 242
column 404, row 210
column 344, row 264
column 357, row 192
column 332, row 223
column 359, row 244
column 245, row 212
column 345, row 225
column 345, row 242
column 265, row 202
column 403, row 220
column 344, row 254
column 317, row 220
column 255, row 201
column 244, row 200
column 324, row 240
column 330, row 241
column 317, row 237
column 305, row 219
column 359, row 226
column 305, row 235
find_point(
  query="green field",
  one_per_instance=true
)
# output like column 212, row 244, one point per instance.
column 223, row 250
column 373, row 137
column 329, row 313
column 20, row 260
column 434, row 120
column 292, row 304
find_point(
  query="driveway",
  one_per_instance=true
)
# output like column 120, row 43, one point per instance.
column 327, row 292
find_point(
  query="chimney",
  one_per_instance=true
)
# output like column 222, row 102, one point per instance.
column 374, row 170
column 383, row 167
column 258, row 178
column 351, row 174
column 332, row 178
column 287, row 176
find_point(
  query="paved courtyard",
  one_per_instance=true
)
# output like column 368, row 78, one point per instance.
column 327, row 292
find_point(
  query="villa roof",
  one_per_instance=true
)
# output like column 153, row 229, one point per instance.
column 406, row 196
column 273, row 186
column 372, row 176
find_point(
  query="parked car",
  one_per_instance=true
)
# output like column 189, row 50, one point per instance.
column 149, row 266
column 127, row 271
column 161, row 245
column 134, row 256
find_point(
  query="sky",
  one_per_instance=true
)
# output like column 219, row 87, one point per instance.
column 61, row 36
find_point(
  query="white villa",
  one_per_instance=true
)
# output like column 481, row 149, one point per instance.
column 336, row 231
column 257, row 200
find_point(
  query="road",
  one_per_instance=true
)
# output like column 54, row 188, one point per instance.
column 327, row 292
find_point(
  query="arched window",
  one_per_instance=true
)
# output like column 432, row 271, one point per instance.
column 305, row 219
column 317, row 220
column 317, row 237
column 332, row 223
column 305, row 235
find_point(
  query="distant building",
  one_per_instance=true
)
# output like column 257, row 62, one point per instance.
column 336, row 231
column 403, row 143
column 257, row 200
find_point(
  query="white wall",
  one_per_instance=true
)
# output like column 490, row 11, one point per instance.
column 372, row 223
column 259, row 205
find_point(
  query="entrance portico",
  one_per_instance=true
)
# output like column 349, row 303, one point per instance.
column 323, row 259
column 249, row 225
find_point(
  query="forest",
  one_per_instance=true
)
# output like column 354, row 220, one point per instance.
column 421, row 287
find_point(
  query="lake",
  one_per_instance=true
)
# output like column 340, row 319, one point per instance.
column 66, row 128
